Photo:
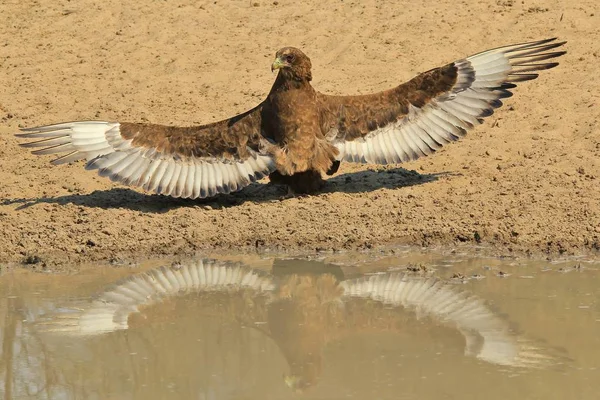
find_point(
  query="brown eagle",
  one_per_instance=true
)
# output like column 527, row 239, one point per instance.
column 297, row 134
column 301, row 312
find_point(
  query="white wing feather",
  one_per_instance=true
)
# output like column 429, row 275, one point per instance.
column 111, row 310
column 488, row 337
column 101, row 145
column 483, row 79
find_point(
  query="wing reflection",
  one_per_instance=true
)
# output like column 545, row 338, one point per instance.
column 488, row 336
column 146, row 295
column 301, row 313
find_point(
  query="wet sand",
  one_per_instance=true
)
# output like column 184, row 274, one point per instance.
column 524, row 183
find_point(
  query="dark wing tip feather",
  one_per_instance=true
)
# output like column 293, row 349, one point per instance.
column 486, row 112
column 496, row 103
column 48, row 150
column 522, row 77
column 503, row 93
column 521, row 68
column 26, row 135
column 462, row 132
column 539, row 43
column 27, row 131
column 543, row 41
column 67, row 158
column 541, row 56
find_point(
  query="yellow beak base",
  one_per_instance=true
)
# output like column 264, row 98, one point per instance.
column 277, row 64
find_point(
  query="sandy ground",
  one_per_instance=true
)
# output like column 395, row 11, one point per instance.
column 526, row 182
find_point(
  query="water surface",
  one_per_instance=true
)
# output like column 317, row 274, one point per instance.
column 277, row 329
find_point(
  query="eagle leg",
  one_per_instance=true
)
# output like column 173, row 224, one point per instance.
column 301, row 182
column 334, row 168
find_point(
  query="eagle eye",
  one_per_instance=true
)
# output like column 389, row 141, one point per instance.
column 290, row 58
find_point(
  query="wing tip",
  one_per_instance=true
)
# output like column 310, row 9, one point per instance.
column 551, row 65
column 25, row 134
column 68, row 158
column 541, row 42
column 44, row 151
column 35, row 129
column 522, row 77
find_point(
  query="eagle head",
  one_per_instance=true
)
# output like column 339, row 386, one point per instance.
column 292, row 63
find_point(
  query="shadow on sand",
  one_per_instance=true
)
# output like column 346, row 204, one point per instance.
column 355, row 182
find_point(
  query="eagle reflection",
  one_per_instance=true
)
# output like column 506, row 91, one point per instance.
column 301, row 311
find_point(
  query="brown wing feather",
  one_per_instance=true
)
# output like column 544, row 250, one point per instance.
column 434, row 108
column 355, row 116
column 228, row 139
column 189, row 162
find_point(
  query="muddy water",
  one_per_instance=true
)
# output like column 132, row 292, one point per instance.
column 277, row 329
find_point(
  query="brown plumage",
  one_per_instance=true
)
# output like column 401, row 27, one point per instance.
column 298, row 134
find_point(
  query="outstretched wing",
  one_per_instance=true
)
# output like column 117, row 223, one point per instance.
column 144, row 296
column 188, row 162
column 434, row 108
column 488, row 337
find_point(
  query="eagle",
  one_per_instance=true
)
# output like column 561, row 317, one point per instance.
column 301, row 311
column 297, row 134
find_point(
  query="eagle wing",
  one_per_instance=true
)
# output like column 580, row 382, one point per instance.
column 151, row 294
column 188, row 162
column 488, row 337
column 434, row 108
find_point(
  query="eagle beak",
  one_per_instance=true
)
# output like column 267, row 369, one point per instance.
column 291, row 381
column 294, row 382
column 277, row 64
